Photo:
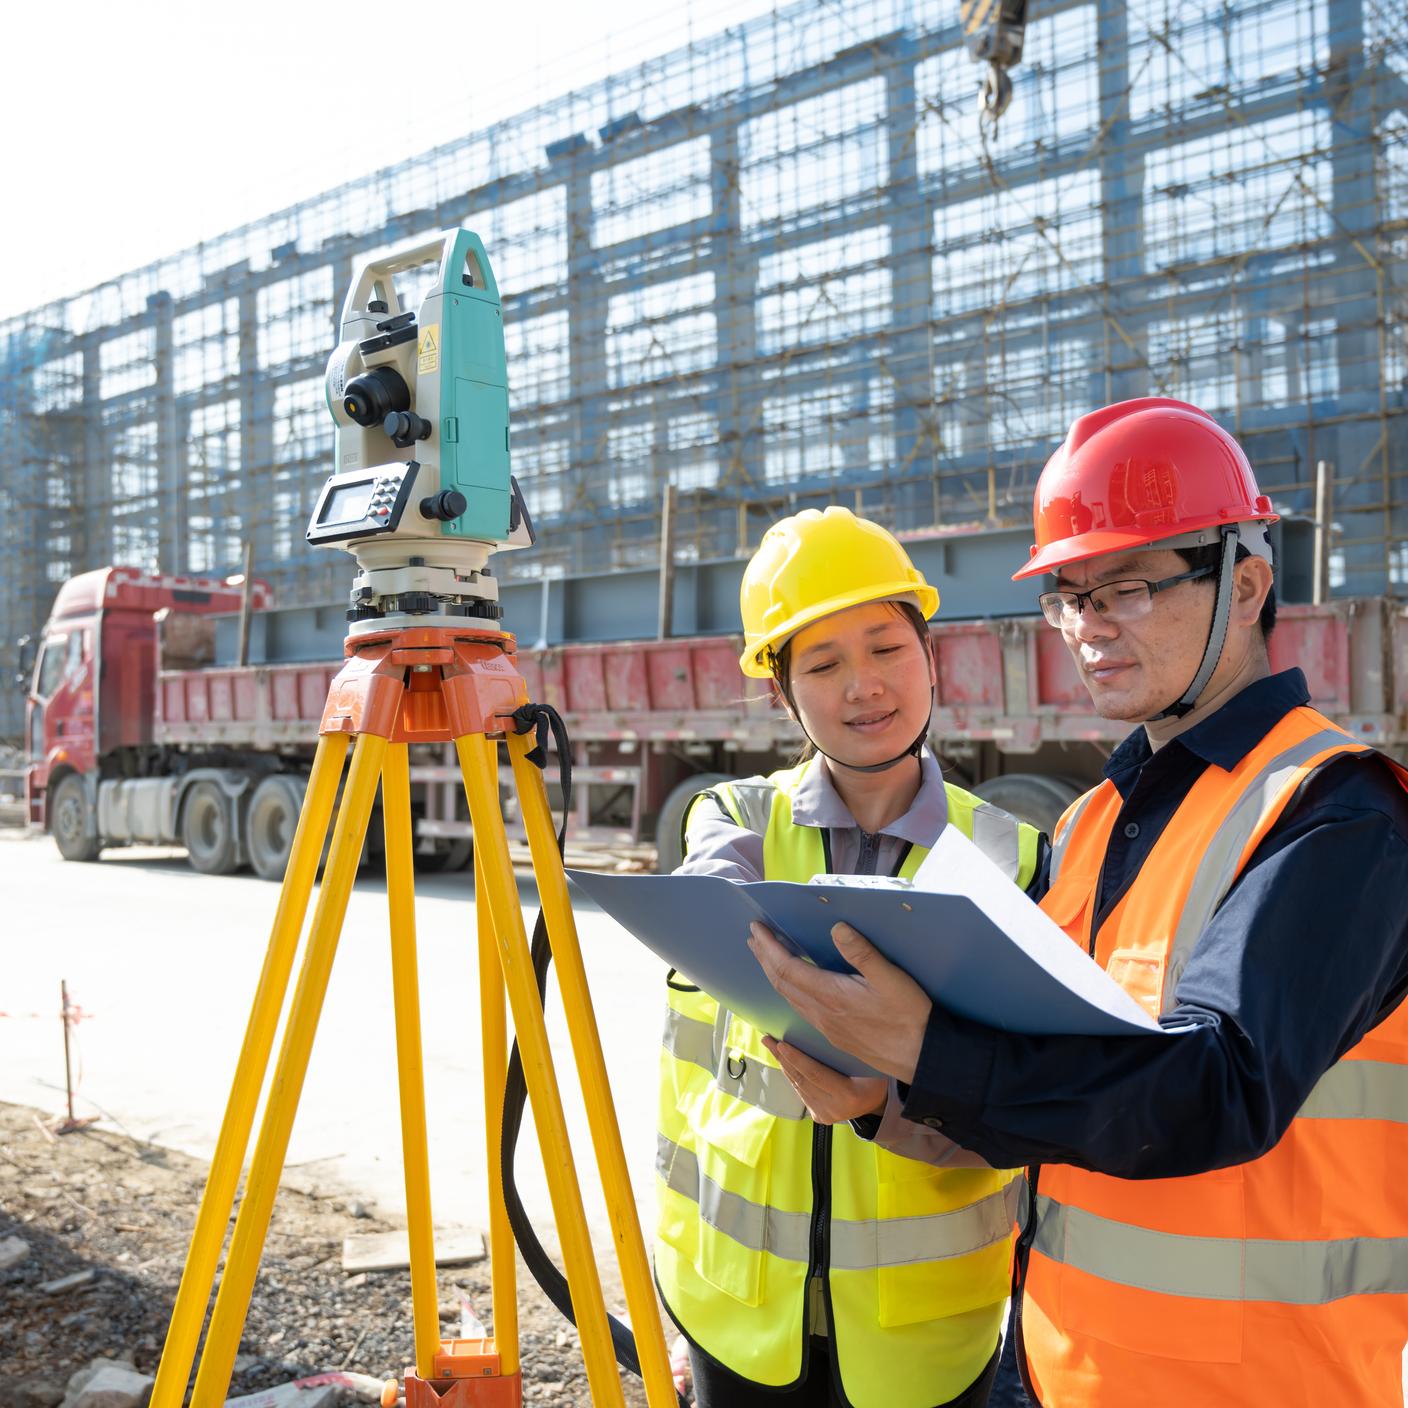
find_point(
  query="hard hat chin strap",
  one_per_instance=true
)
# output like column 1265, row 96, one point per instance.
column 1217, row 632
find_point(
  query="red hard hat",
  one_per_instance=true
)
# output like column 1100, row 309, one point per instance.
column 1135, row 473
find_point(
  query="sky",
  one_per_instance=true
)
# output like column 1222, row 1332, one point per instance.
column 135, row 128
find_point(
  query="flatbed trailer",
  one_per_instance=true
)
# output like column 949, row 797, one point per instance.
column 137, row 735
column 1011, row 717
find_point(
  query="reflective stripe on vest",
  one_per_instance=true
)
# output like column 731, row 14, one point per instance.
column 860, row 1245
column 1215, row 1268
column 1065, row 829
column 998, row 836
column 1359, row 1090
column 752, row 804
column 701, row 1044
column 688, row 1040
column 1223, row 859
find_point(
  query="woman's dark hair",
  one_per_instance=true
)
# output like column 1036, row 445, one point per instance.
column 1209, row 556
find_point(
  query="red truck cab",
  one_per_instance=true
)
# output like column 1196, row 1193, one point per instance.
column 90, row 707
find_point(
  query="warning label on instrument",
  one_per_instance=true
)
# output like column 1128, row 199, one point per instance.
column 428, row 350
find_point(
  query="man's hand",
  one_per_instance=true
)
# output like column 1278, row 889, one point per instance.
column 877, row 1013
column 830, row 1097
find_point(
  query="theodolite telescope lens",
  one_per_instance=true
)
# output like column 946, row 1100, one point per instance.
column 374, row 395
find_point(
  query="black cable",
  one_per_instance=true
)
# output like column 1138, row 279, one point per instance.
column 543, row 719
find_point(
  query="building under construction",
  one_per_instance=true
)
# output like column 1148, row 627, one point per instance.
column 788, row 265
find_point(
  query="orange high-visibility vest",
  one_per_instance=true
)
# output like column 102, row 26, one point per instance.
column 1280, row 1281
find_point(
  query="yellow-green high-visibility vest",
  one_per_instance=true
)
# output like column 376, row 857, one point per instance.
column 913, row 1261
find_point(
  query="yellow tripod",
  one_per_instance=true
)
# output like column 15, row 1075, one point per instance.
column 424, row 684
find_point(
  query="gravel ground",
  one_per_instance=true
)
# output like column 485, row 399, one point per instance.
column 98, row 1202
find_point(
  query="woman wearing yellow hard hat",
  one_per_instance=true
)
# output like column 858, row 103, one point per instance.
column 812, row 1246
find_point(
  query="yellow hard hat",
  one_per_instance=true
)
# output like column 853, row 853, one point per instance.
column 816, row 563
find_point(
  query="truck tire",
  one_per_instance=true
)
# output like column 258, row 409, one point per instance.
column 456, row 853
column 1031, row 797
column 208, row 830
column 69, row 818
column 668, row 852
column 461, row 855
column 269, row 825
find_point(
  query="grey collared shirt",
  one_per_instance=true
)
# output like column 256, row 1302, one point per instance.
column 719, row 846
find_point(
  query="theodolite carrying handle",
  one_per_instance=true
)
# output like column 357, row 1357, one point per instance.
column 460, row 254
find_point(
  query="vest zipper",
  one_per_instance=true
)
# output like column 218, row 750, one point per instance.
column 819, row 1267
column 869, row 853
column 1019, row 1282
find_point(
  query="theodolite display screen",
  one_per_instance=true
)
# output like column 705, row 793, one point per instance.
column 348, row 502
column 362, row 503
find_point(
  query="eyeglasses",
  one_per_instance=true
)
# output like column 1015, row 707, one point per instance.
column 1114, row 601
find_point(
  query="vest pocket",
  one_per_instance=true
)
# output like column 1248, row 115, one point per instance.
column 1140, row 972
column 924, row 1291
column 732, row 1141
column 954, row 1224
column 1067, row 902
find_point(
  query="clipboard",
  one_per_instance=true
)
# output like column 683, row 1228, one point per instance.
column 971, row 939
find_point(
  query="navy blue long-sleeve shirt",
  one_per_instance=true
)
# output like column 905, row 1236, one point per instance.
column 1307, row 952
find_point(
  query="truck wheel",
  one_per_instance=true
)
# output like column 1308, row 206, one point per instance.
column 461, row 855
column 457, row 854
column 270, row 823
column 208, row 830
column 69, row 814
column 668, row 853
column 1031, row 797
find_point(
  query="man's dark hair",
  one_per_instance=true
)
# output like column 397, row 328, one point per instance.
column 1209, row 556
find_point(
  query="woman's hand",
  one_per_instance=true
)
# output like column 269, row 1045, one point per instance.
column 878, row 1013
column 830, row 1097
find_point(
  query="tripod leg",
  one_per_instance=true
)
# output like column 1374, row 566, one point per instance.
column 219, row 1197
column 494, row 1039
column 252, row 1224
column 591, row 1074
column 478, row 761
column 400, row 895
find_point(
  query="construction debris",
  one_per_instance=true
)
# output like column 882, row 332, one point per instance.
column 13, row 1250
column 390, row 1251
column 108, row 1383
column 316, row 1391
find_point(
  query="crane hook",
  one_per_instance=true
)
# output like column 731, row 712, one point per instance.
column 996, row 92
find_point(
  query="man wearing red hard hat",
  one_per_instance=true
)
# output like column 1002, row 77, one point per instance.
column 1219, row 1216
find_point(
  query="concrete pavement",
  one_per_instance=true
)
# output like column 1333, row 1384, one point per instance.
column 164, row 961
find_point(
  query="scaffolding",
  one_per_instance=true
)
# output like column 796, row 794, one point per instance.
column 784, row 266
